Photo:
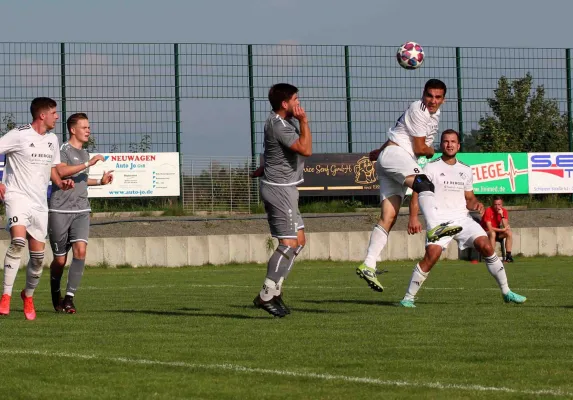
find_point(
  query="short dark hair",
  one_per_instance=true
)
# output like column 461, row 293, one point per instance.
column 40, row 104
column 497, row 198
column 74, row 119
column 435, row 84
column 279, row 93
column 450, row 132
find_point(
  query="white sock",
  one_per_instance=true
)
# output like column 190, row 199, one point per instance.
column 378, row 240
column 12, row 264
column 427, row 202
column 497, row 270
column 269, row 290
column 416, row 281
column 34, row 272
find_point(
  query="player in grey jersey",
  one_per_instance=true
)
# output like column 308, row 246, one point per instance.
column 285, row 148
column 69, row 212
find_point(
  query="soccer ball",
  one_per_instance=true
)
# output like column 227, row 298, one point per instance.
column 410, row 55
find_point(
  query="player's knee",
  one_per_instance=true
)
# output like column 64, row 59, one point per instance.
column 16, row 248
column 80, row 254
column 422, row 184
column 59, row 262
column 508, row 233
column 491, row 234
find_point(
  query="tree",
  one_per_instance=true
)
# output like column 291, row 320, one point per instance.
column 9, row 123
column 523, row 120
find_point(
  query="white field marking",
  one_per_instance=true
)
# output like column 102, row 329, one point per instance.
column 295, row 374
column 195, row 285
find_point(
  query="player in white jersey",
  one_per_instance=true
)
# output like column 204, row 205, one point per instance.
column 397, row 167
column 453, row 182
column 32, row 152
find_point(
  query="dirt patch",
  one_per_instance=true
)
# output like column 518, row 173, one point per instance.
column 188, row 226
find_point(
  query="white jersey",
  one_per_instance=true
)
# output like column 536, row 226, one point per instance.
column 29, row 161
column 450, row 182
column 416, row 121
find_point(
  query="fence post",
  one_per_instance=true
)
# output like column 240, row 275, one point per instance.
column 252, row 101
column 348, row 98
column 63, row 89
column 460, row 101
column 569, row 105
column 178, row 118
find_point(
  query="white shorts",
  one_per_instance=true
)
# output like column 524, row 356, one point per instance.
column 394, row 165
column 20, row 213
column 471, row 230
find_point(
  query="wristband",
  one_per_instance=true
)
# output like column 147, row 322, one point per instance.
column 87, row 164
column 99, row 182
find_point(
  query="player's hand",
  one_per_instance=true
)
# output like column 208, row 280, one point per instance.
column 299, row 113
column 257, row 173
column 67, row 184
column 107, row 177
column 95, row 159
column 373, row 156
column 2, row 191
column 414, row 226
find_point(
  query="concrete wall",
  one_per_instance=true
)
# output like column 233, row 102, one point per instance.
column 176, row 251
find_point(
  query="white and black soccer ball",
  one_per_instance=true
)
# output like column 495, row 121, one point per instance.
column 410, row 55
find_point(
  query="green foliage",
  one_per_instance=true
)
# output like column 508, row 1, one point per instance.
column 8, row 122
column 523, row 120
column 144, row 145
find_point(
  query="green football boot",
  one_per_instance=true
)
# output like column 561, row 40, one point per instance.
column 370, row 275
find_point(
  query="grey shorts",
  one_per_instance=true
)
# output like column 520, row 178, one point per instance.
column 281, row 205
column 67, row 228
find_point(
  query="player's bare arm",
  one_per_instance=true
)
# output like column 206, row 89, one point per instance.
column 472, row 203
column 64, row 184
column 106, row 179
column 303, row 145
column 421, row 148
column 69, row 170
column 414, row 225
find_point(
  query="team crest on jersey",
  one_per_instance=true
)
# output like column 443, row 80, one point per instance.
column 463, row 175
column 50, row 145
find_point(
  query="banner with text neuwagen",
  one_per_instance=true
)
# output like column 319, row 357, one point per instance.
column 137, row 175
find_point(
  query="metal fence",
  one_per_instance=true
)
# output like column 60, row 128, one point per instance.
column 219, row 185
column 211, row 99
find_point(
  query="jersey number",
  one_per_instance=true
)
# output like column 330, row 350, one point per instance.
column 12, row 220
column 417, row 170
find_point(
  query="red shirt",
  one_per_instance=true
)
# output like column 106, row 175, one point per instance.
column 493, row 217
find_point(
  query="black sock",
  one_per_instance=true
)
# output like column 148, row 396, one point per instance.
column 508, row 254
column 55, row 281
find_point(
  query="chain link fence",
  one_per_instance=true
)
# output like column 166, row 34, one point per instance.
column 210, row 100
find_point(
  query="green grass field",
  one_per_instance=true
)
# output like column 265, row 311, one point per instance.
column 193, row 333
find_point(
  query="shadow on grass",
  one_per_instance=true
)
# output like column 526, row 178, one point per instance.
column 360, row 302
column 294, row 309
column 184, row 312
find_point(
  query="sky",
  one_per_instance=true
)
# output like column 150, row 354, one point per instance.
column 485, row 23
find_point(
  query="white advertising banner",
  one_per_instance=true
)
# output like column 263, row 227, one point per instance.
column 550, row 172
column 137, row 175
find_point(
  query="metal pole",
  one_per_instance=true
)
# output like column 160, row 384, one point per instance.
column 460, row 101
column 348, row 98
column 252, row 101
column 63, row 88
column 178, row 118
column 569, row 106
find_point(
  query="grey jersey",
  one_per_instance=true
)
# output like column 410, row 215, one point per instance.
column 282, row 166
column 74, row 200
